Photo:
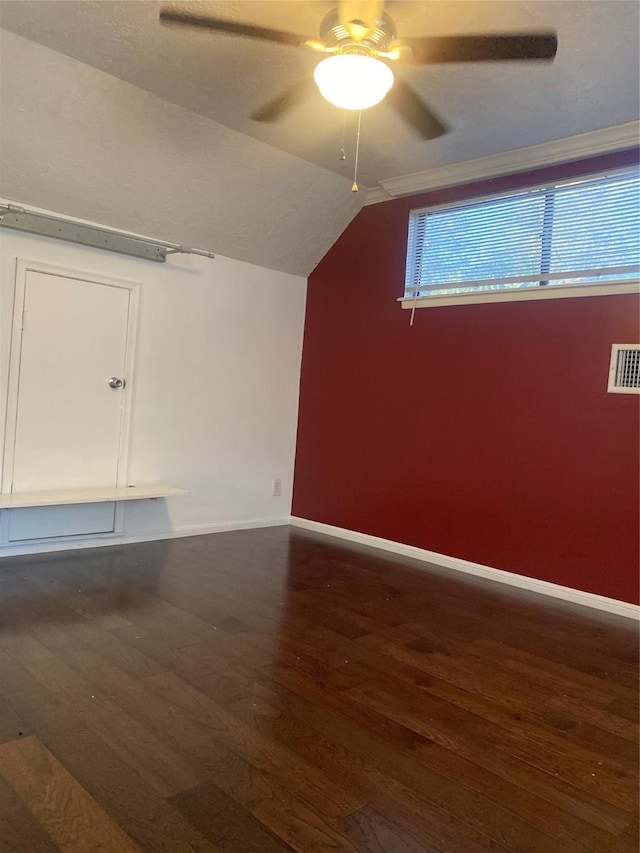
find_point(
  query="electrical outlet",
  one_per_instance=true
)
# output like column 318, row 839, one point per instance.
column 276, row 489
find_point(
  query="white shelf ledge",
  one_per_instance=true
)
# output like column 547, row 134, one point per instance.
column 86, row 496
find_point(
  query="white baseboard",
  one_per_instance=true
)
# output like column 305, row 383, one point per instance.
column 566, row 593
column 102, row 542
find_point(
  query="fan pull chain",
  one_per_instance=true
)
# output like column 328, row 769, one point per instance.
column 342, row 155
column 354, row 188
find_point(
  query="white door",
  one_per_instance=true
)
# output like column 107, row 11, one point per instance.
column 68, row 417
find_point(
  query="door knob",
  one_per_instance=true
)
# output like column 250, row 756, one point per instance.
column 115, row 383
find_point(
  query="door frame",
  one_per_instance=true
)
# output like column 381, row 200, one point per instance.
column 23, row 268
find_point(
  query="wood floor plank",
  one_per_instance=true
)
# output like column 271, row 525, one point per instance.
column 624, row 710
column 374, row 832
column 501, row 725
column 438, row 826
column 492, row 678
column 585, row 687
column 289, row 720
column 129, row 738
column 562, row 796
column 149, row 819
column 162, row 720
column 225, row 823
column 288, row 816
column 33, row 709
column 328, row 795
column 476, row 741
column 359, row 728
column 278, row 690
column 69, row 815
column 462, row 679
column 22, row 646
column 19, row 828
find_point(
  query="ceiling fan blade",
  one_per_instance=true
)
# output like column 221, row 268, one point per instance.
column 408, row 104
column 167, row 16
column 281, row 104
column 486, row 48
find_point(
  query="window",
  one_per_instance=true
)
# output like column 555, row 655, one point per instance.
column 577, row 233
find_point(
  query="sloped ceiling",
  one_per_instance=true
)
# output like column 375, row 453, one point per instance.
column 80, row 142
column 153, row 123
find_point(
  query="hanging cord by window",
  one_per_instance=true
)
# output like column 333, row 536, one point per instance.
column 413, row 308
column 354, row 188
column 415, row 299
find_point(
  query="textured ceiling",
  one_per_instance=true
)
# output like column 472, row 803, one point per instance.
column 109, row 116
column 83, row 143
column 491, row 107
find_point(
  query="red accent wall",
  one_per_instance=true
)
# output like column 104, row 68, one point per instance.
column 484, row 431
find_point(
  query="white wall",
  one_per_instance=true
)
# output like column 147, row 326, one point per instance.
column 216, row 386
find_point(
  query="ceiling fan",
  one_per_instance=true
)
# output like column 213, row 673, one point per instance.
column 360, row 43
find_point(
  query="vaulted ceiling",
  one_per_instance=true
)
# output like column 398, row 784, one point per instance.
column 182, row 98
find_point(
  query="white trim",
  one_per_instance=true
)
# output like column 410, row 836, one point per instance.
column 522, row 294
column 579, row 147
column 528, row 189
column 612, row 388
column 555, row 277
column 23, row 268
column 66, row 497
column 575, row 596
column 73, row 544
column 13, row 383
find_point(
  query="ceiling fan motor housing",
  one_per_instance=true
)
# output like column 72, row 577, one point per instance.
column 356, row 36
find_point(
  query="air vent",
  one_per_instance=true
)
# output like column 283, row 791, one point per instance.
column 624, row 372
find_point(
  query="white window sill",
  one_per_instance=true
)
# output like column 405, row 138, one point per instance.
column 524, row 294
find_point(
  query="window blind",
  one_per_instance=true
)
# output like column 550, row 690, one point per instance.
column 570, row 233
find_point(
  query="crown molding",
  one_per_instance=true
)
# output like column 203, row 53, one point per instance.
column 377, row 194
column 603, row 141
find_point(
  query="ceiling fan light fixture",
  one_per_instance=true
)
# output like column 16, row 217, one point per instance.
column 353, row 81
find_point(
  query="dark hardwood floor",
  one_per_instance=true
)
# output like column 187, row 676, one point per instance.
column 271, row 690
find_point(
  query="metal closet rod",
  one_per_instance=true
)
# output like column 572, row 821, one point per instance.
column 80, row 232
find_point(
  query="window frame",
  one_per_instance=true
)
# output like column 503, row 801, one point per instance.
column 413, row 301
